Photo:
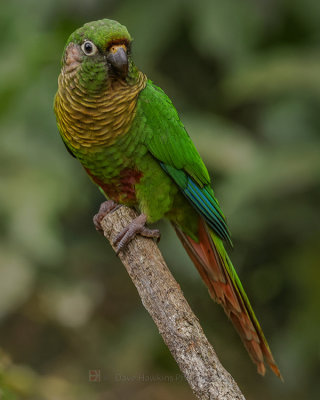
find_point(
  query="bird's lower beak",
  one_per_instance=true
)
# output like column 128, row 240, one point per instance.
column 118, row 58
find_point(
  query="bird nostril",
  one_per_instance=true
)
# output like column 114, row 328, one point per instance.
column 113, row 49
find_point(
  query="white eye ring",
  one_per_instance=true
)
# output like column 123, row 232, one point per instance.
column 89, row 48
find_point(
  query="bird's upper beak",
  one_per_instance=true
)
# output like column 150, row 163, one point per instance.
column 118, row 58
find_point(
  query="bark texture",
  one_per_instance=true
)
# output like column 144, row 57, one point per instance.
column 179, row 327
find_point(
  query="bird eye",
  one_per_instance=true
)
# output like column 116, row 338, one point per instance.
column 89, row 48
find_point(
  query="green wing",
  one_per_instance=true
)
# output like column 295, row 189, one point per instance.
column 169, row 142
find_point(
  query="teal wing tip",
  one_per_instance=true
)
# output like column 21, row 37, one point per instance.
column 209, row 208
column 202, row 200
column 229, row 241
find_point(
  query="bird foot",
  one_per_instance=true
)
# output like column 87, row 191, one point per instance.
column 105, row 208
column 132, row 229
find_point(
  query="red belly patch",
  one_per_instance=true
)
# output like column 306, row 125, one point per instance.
column 121, row 189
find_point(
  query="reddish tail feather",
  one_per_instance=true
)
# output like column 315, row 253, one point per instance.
column 223, row 290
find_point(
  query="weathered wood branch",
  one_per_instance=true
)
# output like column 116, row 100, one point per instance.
column 179, row 327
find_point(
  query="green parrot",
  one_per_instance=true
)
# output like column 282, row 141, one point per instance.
column 127, row 134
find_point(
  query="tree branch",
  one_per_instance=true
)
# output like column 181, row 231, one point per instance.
column 164, row 300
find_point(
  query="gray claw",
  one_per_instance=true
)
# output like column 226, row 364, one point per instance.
column 132, row 229
column 105, row 208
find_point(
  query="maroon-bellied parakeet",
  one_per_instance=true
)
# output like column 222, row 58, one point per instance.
column 128, row 136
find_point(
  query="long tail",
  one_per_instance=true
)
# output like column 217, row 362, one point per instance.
column 218, row 273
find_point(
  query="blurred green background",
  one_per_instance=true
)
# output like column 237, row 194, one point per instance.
column 245, row 78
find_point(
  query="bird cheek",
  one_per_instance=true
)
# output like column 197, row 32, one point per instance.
column 72, row 58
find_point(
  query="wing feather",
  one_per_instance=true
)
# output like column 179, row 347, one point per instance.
column 169, row 142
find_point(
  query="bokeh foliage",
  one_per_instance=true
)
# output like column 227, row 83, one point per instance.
column 245, row 77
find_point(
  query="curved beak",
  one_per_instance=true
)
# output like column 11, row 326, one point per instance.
column 118, row 58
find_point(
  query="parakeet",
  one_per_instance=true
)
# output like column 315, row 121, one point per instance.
column 127, row 134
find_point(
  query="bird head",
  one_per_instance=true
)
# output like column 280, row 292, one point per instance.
column 99, row 53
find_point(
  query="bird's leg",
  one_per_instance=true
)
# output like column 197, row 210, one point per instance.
column 132, row 229
column 105, row 208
